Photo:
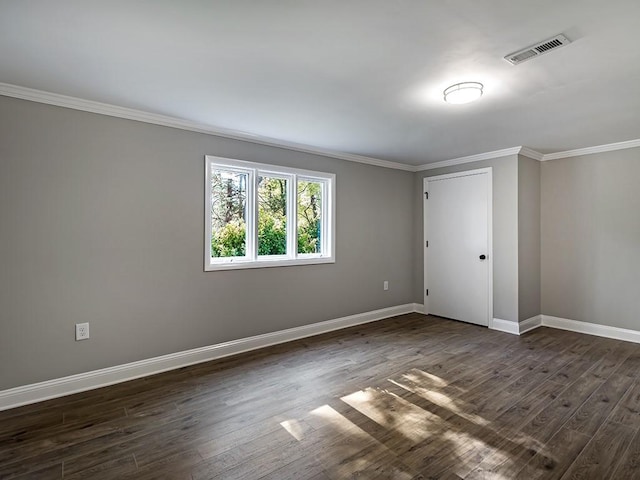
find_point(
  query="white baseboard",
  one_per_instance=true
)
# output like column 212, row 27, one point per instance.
column 517, row 328
column 591, row 328
column 566, row 324
column 418, row 308
column 530, row 324
column 81, row 382
column 506, row 326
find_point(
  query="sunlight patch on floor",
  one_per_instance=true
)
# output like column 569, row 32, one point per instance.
column 418, row 375
column 337, row 436
column 328, row 418
column 347, row 451
column 295, row 429
column 395, row 413
column 445, row 401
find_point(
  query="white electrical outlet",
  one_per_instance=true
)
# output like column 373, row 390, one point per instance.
column 385, row 285
column 82, row 331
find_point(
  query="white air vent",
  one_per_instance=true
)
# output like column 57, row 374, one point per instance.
column 536, row 50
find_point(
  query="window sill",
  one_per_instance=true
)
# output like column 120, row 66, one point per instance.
column 242, row 265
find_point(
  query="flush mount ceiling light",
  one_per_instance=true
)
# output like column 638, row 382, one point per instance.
column 463, row 93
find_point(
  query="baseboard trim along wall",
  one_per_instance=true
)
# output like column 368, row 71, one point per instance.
column 529, row 324
column 506, row 326
column 59, row 387
column 566, row 324
column 591, row 328
column 81, row 382
column 516, row 328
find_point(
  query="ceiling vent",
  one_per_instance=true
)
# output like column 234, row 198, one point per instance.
column 538, row 49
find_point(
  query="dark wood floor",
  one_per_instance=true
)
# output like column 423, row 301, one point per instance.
column 405, row 398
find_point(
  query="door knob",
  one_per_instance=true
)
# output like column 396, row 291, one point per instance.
column 482, row 257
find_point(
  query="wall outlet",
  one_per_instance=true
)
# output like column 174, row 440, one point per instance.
column 82, row 331
column 385, row 285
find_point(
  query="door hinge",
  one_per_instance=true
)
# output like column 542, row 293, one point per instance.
column 427, row 292
column 426, row 195
column 427, row 243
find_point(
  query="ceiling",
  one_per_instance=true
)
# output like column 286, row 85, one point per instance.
column 362, row 77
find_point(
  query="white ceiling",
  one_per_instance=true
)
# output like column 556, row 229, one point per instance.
column 358, row 76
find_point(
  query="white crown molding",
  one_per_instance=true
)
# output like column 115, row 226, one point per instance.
column 81, row 382
column 470, row 159
column 74, row 103
column 589, row 150
column 40, row 96
column 530, row 153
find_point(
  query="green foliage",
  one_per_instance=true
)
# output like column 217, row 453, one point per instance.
column 309, row 216
column 272, row 193
column 229, row 241
column 309, row 238
column 272, row 216
column 228, row 197
column 272, row 235
column 228, row 207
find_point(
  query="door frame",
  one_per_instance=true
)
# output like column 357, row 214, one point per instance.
column 425, row 184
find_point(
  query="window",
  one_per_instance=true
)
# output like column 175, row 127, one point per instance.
column 266, row 216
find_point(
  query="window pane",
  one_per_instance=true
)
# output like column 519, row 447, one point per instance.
column 310, row 216
column 272, row 216
column 228, row 213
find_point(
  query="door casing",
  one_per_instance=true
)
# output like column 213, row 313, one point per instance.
column 479, row 171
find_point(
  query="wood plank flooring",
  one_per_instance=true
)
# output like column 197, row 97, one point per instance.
column 412, row 397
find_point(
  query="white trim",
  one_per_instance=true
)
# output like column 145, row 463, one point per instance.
column 81, row 382
column 529, row 324
column 425, row 183
column 418, row 308
column 591, row 328
column 517, row 328
column 490, row 243
column 252, row 259
column 465, row 173
column 470, row 159
column 425, row 237
column 530, row 153
column 278, row 261
column 506, row 326
column 74, row 103
column 49, row 98
column 532, row 323
column 610, row 147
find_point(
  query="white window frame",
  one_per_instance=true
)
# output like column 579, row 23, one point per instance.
column 252, row 259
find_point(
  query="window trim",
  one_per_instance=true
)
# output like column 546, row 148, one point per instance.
column 252, row 259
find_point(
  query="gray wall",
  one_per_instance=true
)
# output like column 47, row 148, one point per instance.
column 591, row 238
column 505, row 233
column 528, row 237
column 102, row 221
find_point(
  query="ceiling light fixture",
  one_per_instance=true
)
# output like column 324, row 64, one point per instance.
column 463, row 93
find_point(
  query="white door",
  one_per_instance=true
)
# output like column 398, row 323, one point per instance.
column 458, row 253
